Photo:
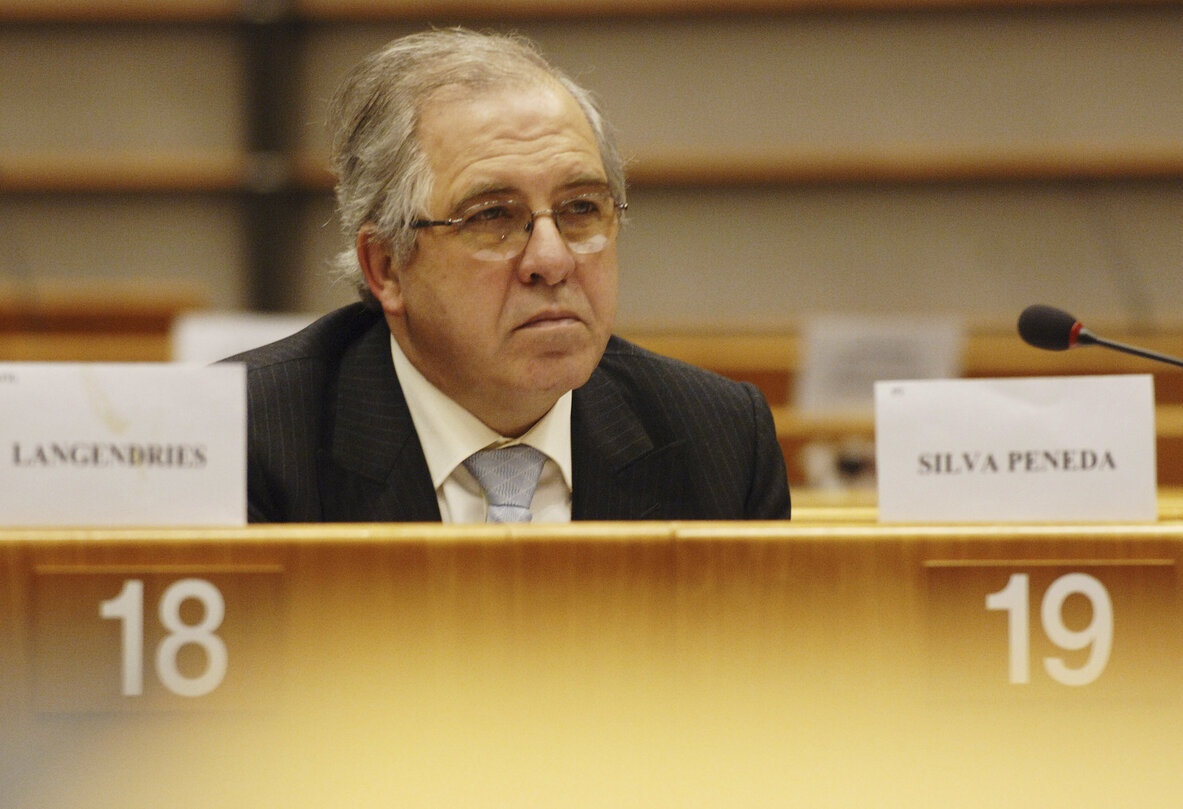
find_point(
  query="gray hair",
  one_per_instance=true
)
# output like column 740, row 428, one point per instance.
column 383, row 178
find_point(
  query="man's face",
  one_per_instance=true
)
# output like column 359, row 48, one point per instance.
column 505, row 338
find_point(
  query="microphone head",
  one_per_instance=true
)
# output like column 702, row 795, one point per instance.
column 1048, row 327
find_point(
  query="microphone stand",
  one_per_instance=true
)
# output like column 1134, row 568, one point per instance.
column 1085, row 337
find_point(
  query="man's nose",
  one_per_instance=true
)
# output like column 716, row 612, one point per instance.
column 547, row 256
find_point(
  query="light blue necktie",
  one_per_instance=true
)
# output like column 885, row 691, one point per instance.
column 509, row 476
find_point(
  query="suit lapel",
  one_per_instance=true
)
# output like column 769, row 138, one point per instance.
column 372, row 465
column 620, row 471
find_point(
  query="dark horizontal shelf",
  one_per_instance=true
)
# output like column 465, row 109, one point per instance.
column 228, row 172
column 93, row 11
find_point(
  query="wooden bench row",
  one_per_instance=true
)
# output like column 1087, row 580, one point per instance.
column 773, row 361
column 131, row 326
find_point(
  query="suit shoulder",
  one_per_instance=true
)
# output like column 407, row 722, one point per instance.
column 721, row 431
column 641, row 367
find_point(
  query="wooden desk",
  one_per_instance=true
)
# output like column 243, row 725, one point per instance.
column 823, row 664
column 107, row 322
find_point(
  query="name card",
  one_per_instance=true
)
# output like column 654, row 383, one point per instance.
column 1053, row 449
column 122, row 444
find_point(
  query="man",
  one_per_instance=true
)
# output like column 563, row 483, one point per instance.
column 483, row 194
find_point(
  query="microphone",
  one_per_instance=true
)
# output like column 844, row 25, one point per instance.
column 1055, row 330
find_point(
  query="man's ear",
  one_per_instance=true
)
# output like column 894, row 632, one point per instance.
column 373, row 254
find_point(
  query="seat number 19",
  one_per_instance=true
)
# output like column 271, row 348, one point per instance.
column 1097, row 635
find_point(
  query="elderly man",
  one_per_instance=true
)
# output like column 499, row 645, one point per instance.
column 478, row 378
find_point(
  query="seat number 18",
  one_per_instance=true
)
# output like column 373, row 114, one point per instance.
column 128, row 608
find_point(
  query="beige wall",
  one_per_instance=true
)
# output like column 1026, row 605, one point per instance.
column 733, row 256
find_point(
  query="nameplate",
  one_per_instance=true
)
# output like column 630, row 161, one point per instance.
column 1061, row 449
column 122, row 444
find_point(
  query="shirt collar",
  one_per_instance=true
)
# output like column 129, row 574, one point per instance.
column 448, row 433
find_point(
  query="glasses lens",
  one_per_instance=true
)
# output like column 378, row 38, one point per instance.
column 586, row 222
column 499, row 230
column 496, row 230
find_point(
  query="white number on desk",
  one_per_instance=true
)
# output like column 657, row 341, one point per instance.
column 128, row 607
column 1014, row 599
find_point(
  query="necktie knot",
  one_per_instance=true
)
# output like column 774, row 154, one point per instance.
column 509, row 476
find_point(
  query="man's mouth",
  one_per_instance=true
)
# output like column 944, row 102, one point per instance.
column 550, row 319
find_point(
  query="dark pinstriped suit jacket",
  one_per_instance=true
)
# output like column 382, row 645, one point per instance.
column 330, row 438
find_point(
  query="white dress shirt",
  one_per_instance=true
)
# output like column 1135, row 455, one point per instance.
column 449, row 434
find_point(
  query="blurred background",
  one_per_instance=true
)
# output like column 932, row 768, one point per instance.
column 788, row 157
column 915, row 158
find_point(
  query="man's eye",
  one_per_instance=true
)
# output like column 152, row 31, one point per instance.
column 491, row 213
column 581, row 207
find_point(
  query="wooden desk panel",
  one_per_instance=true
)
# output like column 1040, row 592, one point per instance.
column 648, row 665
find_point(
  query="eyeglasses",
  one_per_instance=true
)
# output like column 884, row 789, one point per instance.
column 500, row 229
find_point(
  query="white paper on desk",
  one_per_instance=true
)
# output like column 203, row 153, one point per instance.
column 844, row 355
column 1034, row 449
column 211, row 336
column 122, row 444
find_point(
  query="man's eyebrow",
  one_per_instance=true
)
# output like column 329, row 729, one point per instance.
column 591, row 181
column 499, row 191
column 489, row 190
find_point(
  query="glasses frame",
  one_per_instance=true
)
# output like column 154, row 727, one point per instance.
column 618, row 207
